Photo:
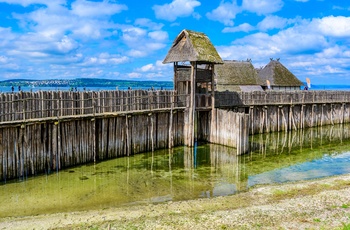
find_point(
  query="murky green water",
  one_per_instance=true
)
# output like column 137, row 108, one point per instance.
column 182, row 174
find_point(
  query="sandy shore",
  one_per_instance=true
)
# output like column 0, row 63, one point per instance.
column 317, row 204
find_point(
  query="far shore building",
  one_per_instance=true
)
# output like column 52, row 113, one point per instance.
column 276, row 76
column 237, row 76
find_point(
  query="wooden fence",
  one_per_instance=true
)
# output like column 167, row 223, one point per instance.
column 229, row 99
column 45, row 104
column 39, row 147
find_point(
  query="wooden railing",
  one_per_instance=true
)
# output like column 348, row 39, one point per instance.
column 229, row 99
column 44, row 104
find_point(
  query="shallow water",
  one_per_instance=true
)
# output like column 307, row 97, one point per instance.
column 182, row 174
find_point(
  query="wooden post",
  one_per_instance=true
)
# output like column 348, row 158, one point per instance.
column 331, row 113
column 171, row 121
column 278, row 118
column 128, row 143
column 267, row 129
column 93, row 138
column 262, row 122
column 292, row 117
column 322, row 113
column 193, row 94
column 252, row 118
column 152, row 142
column 190, row 110
column 285, row 121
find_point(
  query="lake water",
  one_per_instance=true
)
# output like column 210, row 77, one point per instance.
column 7, row 89
column 182, row 173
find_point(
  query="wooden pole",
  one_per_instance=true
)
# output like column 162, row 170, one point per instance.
column 152, row 124
column 171, row 121
column 331, row 113
column 127, row 136
column 193, row 103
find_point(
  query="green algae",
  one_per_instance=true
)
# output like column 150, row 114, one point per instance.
column 168, row 175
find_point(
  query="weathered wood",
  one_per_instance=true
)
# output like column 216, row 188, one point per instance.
column 62, row 129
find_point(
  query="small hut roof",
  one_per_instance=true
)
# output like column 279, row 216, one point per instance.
column 192, row 46
column 278, row 75
column 237, row 73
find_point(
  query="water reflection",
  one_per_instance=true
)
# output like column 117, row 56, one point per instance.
column 182, row 174
column 328, row 165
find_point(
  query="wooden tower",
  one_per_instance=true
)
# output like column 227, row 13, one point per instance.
column 194, row 57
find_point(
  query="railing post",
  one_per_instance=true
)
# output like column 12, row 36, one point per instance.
column 93, row 104
column 23, row 110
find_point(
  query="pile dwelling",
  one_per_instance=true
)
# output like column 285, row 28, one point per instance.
column 215, row 101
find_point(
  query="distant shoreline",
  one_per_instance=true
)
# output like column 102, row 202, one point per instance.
column 80, row 85
column 96, row 84
column 84, row 82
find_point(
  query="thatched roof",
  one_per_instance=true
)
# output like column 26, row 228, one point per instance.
column 237, row 76
column 237, row 73
column 238, row 88
column 278, row 75
column 192, row 46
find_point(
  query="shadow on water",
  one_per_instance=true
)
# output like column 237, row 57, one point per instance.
column 182, row 173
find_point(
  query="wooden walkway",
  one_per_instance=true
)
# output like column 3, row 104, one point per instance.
column 53, row 105
column 234, row 99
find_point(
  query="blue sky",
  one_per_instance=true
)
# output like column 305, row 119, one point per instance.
column 128, row 39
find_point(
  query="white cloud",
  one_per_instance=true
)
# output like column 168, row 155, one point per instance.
column 141, row 42
column 225, row 13
column 107, row 58
column 90, row 9
column 134, row 75
column 137, row 53
column 158, row 66
column 272, row 22
column 148, row 23
column 307, row 47
column 26, row 3
column 66, row 45
column 6, row 38
column 292, row 41
column 295, row 40
column 133, row 34
column 175, row 9
column 104, row 59
column 196, row 15
column 147, row 68
column 334, row 26
column 61, row 21
column 88, row 30
column 158, row 35
column 154, row 71
column 262, row 7
column 3, row 59
column 245, row 27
